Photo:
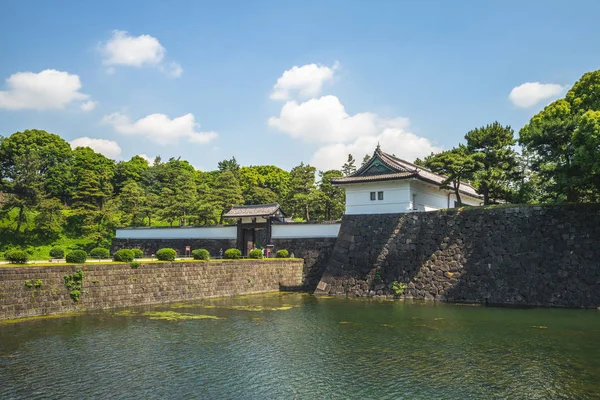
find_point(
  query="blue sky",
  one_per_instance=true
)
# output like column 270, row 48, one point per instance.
column 207, row 80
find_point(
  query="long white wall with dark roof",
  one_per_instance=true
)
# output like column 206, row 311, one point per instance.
column 209, row 232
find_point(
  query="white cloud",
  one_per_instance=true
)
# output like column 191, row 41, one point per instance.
column 108, row 148
column 149, row 160
column 325, row 120
column 530, row 93
column 48, row 89
column 307, row 80
column 393, row 140
column 160, row 128
column 88, row 105
column 136, row 51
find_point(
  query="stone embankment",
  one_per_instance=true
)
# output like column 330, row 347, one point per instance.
column 35, row 291
column 546, row 256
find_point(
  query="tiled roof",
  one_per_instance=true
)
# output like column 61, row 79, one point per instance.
column 259, row 210
column 403, row 170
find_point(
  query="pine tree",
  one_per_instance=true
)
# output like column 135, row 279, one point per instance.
column 349, row 168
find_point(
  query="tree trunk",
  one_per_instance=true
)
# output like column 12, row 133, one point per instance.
column 307, row 215
column 457, row 194
column 20, row 218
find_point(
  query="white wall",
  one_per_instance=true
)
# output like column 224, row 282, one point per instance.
column 396, row 197
column 293, row 231
column 212, row 232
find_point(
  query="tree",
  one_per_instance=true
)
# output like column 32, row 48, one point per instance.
column 301, row 197
column 228, row 193
column 132, row 170
column 586, row 140
column 547, row 143
column 263, row 184
column 333, row 198
column 31, row 169
column 366, row 159
column 230, row 165
column 131, row 203
column 497, row 165
column 349, row 168
column 456, row 164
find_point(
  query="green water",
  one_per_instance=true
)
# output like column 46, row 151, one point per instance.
column 295, row 346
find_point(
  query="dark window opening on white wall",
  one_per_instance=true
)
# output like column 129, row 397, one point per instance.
column 379, row 195
column 372, row 196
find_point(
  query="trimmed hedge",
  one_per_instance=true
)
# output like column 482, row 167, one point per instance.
column 123, row 255
column 57, row 252
column 256, row 253
column 166, row 254
column 283, row 253
column 138, row 253
column 232, row 254
column 16, row 256
column 77, row 257
column 99, row 252
column 201, row 254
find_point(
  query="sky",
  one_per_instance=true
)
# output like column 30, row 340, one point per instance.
column 284, row 82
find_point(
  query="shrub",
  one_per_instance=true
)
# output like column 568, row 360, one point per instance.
column 16, row 256
column 398, row 287
column 135, row 265
column 201, row 254
column 77, row 256
column 57, row 252
column 100, row 252
column 282, row 253
column 232, row 254
column 166, row 254
column 123, row 255
column 138, row 253
column 256, row 253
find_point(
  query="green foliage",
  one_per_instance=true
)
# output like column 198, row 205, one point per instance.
column 16, row 256
column 28, row 283
column 57, row 252
column 349, row 167
column 166, row 254
column 232, row 254
column 99, row 253
column 282, row 253
column 76, row 257
column 398, row 288
column 38, row 283
column 123, row 255
column 497, row 167
column 256, row 253
column 138, row 253
column 135, row 264
column 201, row 254
column 74, row 283
column 456, row 164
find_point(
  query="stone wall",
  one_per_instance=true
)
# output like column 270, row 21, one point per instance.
column 118, row 285
column 150, row 246
column 545, row 256
column 314, row 251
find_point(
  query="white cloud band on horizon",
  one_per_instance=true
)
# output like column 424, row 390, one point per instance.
column 46, row 90
column 107, row 148
column 529, row 94
column 160, row 128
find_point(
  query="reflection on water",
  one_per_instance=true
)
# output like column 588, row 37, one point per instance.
column 302, row 347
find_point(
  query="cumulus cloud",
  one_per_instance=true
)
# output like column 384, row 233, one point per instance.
column 160, row 128
column 530, row 93
column 136, row 51
column 88, row 105
column 393, row 140
column 325, row 120
column 148, row 159
column 108, row 148
column 48, row 89
column 307, row 80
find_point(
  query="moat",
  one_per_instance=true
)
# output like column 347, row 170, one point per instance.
column 298, row 346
